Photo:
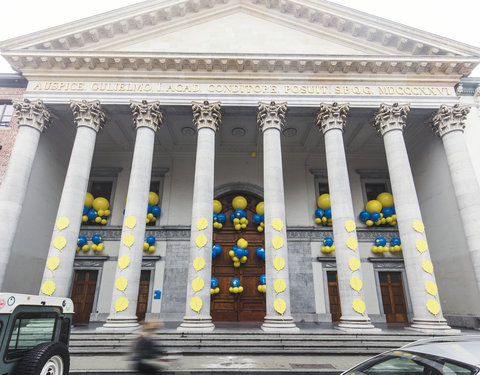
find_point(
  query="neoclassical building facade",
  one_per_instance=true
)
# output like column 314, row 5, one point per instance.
column 134, row 121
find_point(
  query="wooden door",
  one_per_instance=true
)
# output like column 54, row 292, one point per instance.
column 393, row 298
column 83, row 294
column 249, row 305
column 143, row 294
column 334, row 296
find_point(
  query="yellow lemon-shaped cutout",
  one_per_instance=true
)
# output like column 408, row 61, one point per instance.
column 217, row 206
column 279, row 263
column 121, row 304
column 52, row 263
column 128, row 240
column 59, row 242
column 356, row 284
column 277, row 242
column 198, row 264
column 123, row 262
column 418, row 226
column 427, row 266
column 197, row 284
column 201, row 241
column 279, row 285
column 350, row 226
column 354, row 264
column 121, row 284
column 202, row 223
column 433, row 306
column 48, row 288
column 358, row 305
column 196, row 304
column 277, row 224
column 352, row 243
column 422, row 245
column 62, row 223
column 431, row 288
column 280, row 306
column 130, row 222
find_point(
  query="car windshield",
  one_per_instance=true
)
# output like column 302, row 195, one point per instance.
column 401, row 362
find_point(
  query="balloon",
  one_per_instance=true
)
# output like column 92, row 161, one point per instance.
column 369, row 223
column 235, row 282
column 214, row 283
column 380, row 241
column 89, row 200
column 387, row 212
column 221, row 218
column 263, row 279
column 92, row 214
column 216, row 249
column 149, row 208
column 328, row 241
column 239, row 213
column 150, row 240
column 323, row 201
column 260, row 252
column 145, row 246
column 257, row 219
column 319, row 213
column 385, row 199
column 364, row 216
column 153, row 198
column 85, row 210
column 96, row 239
column 156, row 211
column 100, row 203
column 81, row 241
column 328, row 213
column 217, row 206
column 376, row 216
column 395, row 241
column 239, row 202
column 373, row 206
column 260, row 209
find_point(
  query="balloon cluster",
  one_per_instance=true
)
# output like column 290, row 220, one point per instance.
column 216, row 250
column 259, row 217
column 154, row 210
column 380, row 211
column 262, row 288
column 328, row 246
column 235, row 286
column 214, row 289
column 98, row 245
column 380, row 245
column 239, row 216
column 323, row 214
column 149, row 244
column 239, row 252
column 95, row 210
column 218, row 218
column 260, row 252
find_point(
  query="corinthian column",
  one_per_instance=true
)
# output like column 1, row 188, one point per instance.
column 331, row 120
column 427, row 312
column 206, row 118
column 58, row 274
column 271, row 118
column 33, row 118
column 449, row 124
column 147, row 117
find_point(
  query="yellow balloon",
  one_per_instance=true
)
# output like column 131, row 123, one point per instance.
column 53, row 263
column 354, row 263
column 418, row 226
column 217, row 206
column 358, row 305
column 277, row 242
column 427, row 266
column 151, row 249
column 121, row 284
column 197, row 284
column 260, row 209
column 59, row 242
column 356, row 284
column 153, row 198
column 350, row 226
column 100, row 203
column 123, row 262
column 48, row 288
column 277, row 224
column 323, row 201
column 62, row 223
column 422, row 245
column 202, row 223
column 130, row 222
column 431, row 288
column 196, row 304
column 121, row 304
column 128, row 240
column 89, row 200
column 385, row 199
column 279, row 285
column 201, row 240
column 240, row 289
column 373, row 206
column 280, row 306
column 279, row 263
column 239, row 203
column 352, row 243
column 198, row 263
column 433, row 306
column 242, row 243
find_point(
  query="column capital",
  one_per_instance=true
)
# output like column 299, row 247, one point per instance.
column 88, row 113
column 146, row 114
column 32, row 113
column 271, row 115
column 206, row 115
column 332, row 116
column 390, row 117
column 449, row 118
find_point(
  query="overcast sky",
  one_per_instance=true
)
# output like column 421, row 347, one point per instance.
column 458, row 20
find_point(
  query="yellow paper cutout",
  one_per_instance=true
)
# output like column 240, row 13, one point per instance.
column 356, row 284
column 62, row 223
column 198, row 264
column 121, row 283
column 123, row 262
column 128, row 240
column 202, row 223
column 279, row 285
column 121, row 304
column 350, row 226
column 59, row 242
column 201, row 240
column 354, row 264
column 48, row 288
column 280, row 306
column 197, row 284
column 130, row 222
column 358, row 305
column 277, row 242
column 196, row 304
column 352, row 243
column 431, row 288
column 52, row 263
column 418, row 226
column 427, row 266
column 279, row 263
column 277, row 224
column 433, row 306
column 422, row 245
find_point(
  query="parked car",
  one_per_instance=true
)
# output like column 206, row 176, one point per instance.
column 446, row 355
column 34, row 334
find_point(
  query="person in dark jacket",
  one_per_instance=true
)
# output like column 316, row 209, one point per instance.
column 147, row 355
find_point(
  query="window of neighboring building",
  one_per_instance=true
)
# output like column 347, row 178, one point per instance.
column 103, row 187
column 322, row 187
column 373, row 183
column 6, row 112
column 373, row 189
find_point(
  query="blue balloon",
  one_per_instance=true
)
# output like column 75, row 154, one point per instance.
column 239, row 213
column 238, row 252
column 156, row 211
column 319, row 213
column 235, row 282
column 81, row 241
column 257, row 219
column 364, row 216
column 263, row 279
column 262, row 218
column 96, row 239
column 150, row 240
column 221, row 218
column 149, row 208
column 395, row 241
column 376, row 216
column 214, row 283
column 393, row 210
column 85, row 210
column 91, row 214
column 380, row 241
column 245, row 252
column 216, row 249
column 387, row 212
column 260, row 252
column 232, row 216
column 215, row 217
column 328, row 213
column 328, row 241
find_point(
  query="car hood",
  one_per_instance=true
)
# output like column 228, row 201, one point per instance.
column 467, row 352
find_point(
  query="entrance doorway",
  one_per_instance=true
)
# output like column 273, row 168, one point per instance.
column 250, row 304
column 334, row 296
column 393, row 298
column 143, row 294
column 83, row 295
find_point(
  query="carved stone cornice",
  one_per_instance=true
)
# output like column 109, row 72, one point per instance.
column 271, row 115
column 146, row 114
column 332, row 116
column 449, row 118
column 206, row 115
column 88, row 113
column 390, row 117
column 32, row 113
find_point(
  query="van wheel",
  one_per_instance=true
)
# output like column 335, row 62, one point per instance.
column 49, row 358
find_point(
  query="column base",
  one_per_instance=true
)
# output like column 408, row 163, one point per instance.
column 279, row 325
column 196, row 325
column 433, row 327
column 353, row 325
column 120, row 324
